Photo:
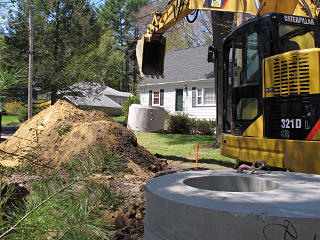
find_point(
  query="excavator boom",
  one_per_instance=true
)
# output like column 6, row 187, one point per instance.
column 150, row 49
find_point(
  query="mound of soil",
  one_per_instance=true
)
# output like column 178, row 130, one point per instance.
column 62, row 131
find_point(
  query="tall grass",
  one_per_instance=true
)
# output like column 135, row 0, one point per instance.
column 65, row 203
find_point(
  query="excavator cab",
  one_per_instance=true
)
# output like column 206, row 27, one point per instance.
column 245, row 50
column 271, row 93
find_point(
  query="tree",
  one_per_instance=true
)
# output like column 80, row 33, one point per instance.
column 63, row 30
column 13, row 77
column 121, row 17
column 13, row 81
column 222, row 23
column 101, row 62
column 185, row 34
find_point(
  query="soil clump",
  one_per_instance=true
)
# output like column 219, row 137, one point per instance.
column 61, row 132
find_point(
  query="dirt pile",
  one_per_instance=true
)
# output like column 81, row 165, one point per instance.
column 62, row 131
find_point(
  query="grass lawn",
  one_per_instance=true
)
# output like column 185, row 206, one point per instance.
column 10, row 120
column 119, row 119
column 182, row 148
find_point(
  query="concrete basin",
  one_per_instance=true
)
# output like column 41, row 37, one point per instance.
column 225, row 205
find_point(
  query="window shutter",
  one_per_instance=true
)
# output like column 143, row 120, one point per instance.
column 194, row 97
column 161, row 97
column 150, row 97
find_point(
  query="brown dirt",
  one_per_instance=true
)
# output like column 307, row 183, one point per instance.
column 57, row 134
column 61, row 132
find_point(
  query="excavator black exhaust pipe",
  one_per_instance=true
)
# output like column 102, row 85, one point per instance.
column 150, row 56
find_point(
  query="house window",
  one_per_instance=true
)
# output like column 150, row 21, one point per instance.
column 205, row 96
column 208, row 96
column 199, row 96
column 161, row 97
column 156, row 97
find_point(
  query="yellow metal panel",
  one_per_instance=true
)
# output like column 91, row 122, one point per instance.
column 255, row 129
column 251, row 149
column 271, row 158
column 302, row 156
column 230, row 146
column 280, row 6
column 317, row 135
column 295, row 155
column 292, row 73
column 242, row 6
column 301, row 11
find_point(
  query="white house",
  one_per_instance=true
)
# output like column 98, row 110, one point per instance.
column 188, row 85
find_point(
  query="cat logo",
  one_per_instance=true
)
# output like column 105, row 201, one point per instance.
column 218, row 4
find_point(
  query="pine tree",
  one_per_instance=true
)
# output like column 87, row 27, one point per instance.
column 63, row 29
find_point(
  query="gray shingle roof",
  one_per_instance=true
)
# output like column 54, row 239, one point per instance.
column 184, row 65
column 93, row 95
column 98, row 101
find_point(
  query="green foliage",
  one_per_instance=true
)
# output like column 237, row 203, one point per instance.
column 203, row 127
column 131, row 100
column 63, row 30
column 23, row 114
column 121, row 17
column 13, row 108
column 100, row 62
column 13, row 80
column 64, row 205
column 64, row 130
column 179, row 124
column 184, row 125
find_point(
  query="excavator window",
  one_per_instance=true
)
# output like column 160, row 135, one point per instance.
column 246, row 60
column 295, row 37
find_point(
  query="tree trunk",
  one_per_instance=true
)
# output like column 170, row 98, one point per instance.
column 54, row 96
column 221, row 26
column 56, row 54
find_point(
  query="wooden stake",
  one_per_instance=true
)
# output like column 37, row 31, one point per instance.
column 197, row 161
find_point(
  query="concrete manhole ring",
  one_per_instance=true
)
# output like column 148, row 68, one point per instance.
column 225, row 205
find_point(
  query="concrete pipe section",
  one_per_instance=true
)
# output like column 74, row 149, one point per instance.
column 225, row 205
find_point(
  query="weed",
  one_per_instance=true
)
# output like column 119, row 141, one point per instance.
column 64, row 130
column 65, row 204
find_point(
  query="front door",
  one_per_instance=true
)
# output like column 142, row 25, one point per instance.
column 179, row 100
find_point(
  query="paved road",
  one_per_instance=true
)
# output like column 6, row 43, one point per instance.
column 7, row 132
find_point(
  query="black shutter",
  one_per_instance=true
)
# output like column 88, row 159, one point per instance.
column 194, row 97
column 161, row 97
column 150, row 97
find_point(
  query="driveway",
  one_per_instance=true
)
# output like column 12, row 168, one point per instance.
column 7, row 132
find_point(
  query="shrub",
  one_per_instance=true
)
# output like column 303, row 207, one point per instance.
column 13, row 108
column 185, row 125
column 131, row 100
column 204, row 127
column 180, row 124
column 23, row 114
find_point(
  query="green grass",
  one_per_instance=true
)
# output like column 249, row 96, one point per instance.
column 10, row 120
column 179, row 147
column 119, row 119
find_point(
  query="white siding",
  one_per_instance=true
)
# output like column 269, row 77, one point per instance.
column 198, row 112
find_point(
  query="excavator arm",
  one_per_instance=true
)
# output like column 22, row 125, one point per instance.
column 150, row 49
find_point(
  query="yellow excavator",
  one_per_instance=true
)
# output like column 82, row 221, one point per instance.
column 271, row 78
